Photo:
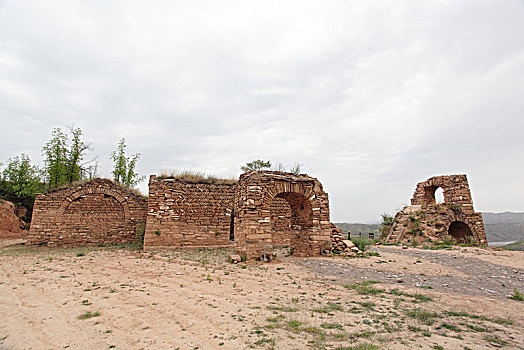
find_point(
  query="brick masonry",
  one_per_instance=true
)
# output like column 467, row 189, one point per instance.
column 425, row 220
column 92, row 213
column 263, row 208
column 188, row 214
column 277, row 208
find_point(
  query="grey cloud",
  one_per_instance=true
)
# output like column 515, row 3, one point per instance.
column 371, row 97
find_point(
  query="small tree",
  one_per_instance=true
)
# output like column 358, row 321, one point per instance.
column 124, row 167
column 55, row 158
column 256, row 165
column 63, row 158
column 75, row 155
column 20, row 180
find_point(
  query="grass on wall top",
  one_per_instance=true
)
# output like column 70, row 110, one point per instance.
column 196, row 177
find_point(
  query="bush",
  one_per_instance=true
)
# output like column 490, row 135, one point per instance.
column 140, row 231
column 362, row 243
column 516, row 295
column 385, row 226
column 449, row 240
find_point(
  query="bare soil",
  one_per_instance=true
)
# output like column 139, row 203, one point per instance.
column 101, row 298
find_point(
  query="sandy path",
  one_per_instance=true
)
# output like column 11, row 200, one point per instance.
column 167, row 302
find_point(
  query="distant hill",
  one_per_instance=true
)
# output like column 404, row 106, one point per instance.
column 358, row 228
column 504, row 227
column 515, row 246
column 506, row 217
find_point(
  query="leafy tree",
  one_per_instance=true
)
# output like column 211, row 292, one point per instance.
column 63, row 156
column 256, row 165
column 20, row 180
column 76, row 154
column 124, row 167
column 55, row 158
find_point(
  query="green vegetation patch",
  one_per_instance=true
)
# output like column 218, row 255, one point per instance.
column 365, row 288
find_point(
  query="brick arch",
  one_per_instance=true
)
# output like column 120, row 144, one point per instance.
column 258, row 195
column 460, row 231
column 95, row 212
column 90, row 191
column 283, row 188
column 455, row 188
column 301, row 208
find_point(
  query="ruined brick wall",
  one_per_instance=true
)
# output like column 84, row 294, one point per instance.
column 455, row 187
column 425, row 220
column 96, row 212
column 188, row 214
column 9, row 221
column 277, row 208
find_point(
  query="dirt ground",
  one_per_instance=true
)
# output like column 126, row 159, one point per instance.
column 102, row 298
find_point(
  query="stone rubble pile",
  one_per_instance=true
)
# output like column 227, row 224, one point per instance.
column 343, row 246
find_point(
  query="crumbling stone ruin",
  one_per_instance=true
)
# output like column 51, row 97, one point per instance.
column 182, row 214
column 10, row 223
column 92, row 213
column 340, row 245
column 281, row 209
column 265, row 208
column 425, row 220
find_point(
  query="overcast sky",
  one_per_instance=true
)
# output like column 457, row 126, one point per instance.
column 371, row 96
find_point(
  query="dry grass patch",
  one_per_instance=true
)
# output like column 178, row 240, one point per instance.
column 196, row 177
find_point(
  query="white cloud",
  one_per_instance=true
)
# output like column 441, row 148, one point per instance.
column 371, row 97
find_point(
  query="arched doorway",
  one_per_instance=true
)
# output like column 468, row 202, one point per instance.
column 460, row 231
column 439, row 195
column 277, row 208
column 291, row 220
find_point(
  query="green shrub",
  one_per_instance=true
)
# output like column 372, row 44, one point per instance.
column 385, row 226
column 362, row 243
column 448, row 240
column 516, row 295
column 140, row 231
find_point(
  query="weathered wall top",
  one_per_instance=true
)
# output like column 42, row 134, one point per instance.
column 455, row 187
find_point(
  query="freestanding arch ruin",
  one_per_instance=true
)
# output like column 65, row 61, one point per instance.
column 425, row 220
column 276, row 208
column 95, row 212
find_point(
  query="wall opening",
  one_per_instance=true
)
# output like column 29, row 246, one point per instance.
column 291, row 220
column 232, row 226
column 439, row 196
column 460, row 231
column 433, row 195
column 301, row 212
